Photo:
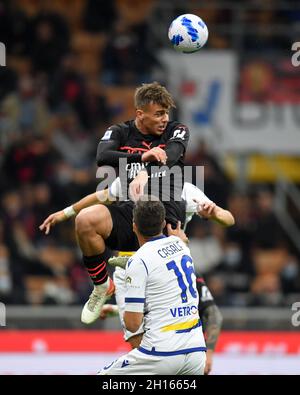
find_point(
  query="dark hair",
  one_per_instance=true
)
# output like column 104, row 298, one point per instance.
column 153, row 93
column 149, row 214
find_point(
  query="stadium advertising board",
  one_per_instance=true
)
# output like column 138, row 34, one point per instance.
column 248, row 106
column 85, row 352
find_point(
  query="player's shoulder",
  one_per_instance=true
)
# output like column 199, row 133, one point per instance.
column 118, row 128
column 192, row 191
column 191, row 187
column 139, row 261
column 124, row 126
column 173, row 125
column 142, row 253
column 176, row 131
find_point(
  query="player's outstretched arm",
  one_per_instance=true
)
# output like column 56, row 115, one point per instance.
column 209, row 210
column 52, row 220
column 223, row 217
column 212, row 322
column 71, row 211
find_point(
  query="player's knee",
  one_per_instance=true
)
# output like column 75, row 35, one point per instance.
column 82, row 222
column 86, row 221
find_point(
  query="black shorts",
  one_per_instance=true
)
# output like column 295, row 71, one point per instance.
column 122, row 237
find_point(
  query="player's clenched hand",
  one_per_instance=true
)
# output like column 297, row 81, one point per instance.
column 177, row 232
column 155, row 154
column 136, row 187
column 52, row 220
column 108, row 310
column 206, row 210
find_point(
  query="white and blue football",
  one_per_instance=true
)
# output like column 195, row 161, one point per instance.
column 188, row 33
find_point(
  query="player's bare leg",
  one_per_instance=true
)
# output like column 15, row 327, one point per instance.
column 94, row 225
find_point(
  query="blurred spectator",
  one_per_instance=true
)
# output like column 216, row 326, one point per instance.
column 235, row 269
column 99, row 16
column 217, row 287
column 290, row 275
column 49, row 41
column 266, row 290
column 13, row 28
column 11, row 272
column 8, row 82
column 242, row 232
column 70, row 140
column 84, row 96
column 268, row 232
column 6, row 284
column 127, row 59
column 95, row 114
column 216, row 183
column 266, row 286
column 205, row 247
column 67, row 84
column 25, row 110
column 29, row 160
column 264, row 37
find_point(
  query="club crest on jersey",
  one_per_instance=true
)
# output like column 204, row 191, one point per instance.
column 179, row 134
column 107, row 135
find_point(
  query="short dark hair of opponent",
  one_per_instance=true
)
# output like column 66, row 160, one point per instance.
column 149, row 216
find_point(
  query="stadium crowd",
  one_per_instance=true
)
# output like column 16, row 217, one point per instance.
column 70, row 74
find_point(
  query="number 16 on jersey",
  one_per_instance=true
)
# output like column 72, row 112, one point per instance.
column 187, row 271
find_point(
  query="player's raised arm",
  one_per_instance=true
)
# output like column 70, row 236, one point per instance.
column 62, row 215
column 108, row 153
column 209, row 210
column 177, row 144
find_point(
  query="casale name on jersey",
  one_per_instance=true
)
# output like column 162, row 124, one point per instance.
column 133, row 169
column 170, row 250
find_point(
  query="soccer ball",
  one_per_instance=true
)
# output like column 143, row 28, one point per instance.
column 188, row 33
